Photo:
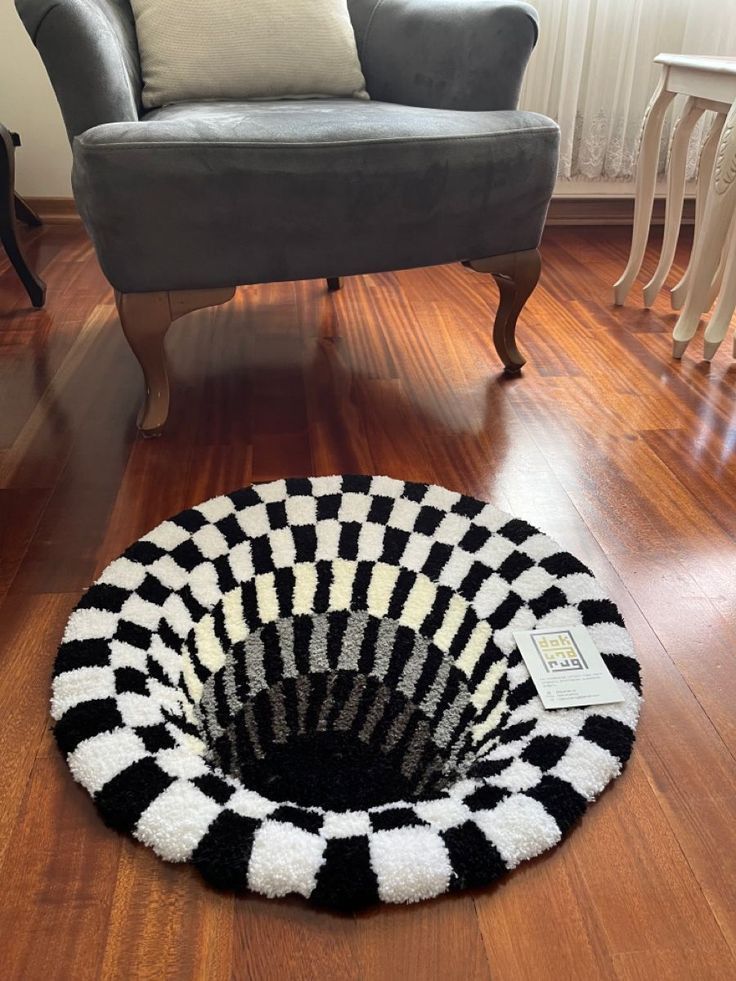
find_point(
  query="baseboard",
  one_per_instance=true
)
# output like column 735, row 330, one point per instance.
column 608, row 210
column 564, row 210
column 55, row 211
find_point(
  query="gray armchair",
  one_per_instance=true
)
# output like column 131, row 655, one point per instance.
column 187, row 201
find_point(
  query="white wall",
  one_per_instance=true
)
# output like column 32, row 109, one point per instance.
column 28, row 106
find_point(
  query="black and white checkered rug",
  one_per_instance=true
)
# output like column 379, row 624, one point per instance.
column 311, row 686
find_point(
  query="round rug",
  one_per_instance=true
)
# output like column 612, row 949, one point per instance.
column 311, row 686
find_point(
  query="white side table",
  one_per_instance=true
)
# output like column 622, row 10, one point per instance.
column 708, row 83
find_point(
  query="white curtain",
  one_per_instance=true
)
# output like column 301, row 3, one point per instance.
column 593, row 72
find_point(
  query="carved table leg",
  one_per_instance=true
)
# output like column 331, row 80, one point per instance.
column 516, row 274
column 708, row 249
column 35, row 287
column 705, row 172
column 646, row 178
column 691, row 113
column 146, row 317
column 720, row 319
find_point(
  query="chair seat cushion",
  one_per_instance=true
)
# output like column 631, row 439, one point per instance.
column 200, row 195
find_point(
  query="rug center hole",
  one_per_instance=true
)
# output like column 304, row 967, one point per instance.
column 341, row 710
column 327, row 769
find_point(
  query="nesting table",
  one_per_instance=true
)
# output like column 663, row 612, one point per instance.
column 709, row 83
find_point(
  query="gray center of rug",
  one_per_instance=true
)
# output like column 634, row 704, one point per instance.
column 337, row 709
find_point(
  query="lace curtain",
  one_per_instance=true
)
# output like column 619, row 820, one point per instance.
column 593, row 72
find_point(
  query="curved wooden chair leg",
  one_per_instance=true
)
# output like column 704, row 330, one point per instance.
column 146, row 317
column 333, row 284
column 516, row 274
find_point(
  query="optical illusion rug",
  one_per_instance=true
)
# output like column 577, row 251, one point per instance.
column 311, row 686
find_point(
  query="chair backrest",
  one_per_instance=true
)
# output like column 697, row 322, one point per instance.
column 361, row 12
column 90, row 51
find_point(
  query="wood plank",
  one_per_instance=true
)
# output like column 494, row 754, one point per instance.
column 164, row 923
column 435, row 940
column 288, row 939
column 59, row 876
column 29, row 632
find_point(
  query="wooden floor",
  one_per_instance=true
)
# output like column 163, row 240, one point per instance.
column 627, row 458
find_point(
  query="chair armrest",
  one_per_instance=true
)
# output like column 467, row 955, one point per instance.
column 445, row 54
column 90, row 51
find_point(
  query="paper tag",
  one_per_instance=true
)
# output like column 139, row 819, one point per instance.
column 566, row 667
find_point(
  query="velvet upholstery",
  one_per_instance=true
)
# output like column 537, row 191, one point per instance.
column 243, row 193
column 438, row 167
column 448, row 54
column 90, row 51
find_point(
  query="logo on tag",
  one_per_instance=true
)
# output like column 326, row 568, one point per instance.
column 559, row 652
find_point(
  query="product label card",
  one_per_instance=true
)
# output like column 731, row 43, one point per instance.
column 566, row 667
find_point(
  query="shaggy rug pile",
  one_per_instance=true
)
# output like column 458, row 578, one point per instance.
column 311, row 686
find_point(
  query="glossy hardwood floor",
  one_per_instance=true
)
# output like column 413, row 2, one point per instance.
column 626, row 457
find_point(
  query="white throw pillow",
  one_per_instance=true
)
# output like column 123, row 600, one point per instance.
column 246, row 49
